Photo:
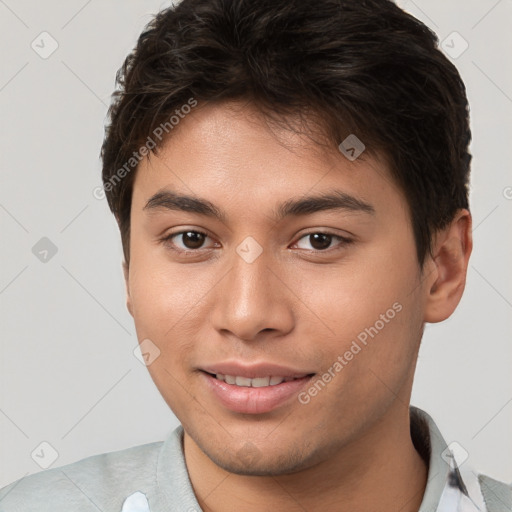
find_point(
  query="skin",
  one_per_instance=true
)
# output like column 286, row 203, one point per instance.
column 349, row 448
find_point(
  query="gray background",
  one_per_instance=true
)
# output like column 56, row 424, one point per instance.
column 68, row 375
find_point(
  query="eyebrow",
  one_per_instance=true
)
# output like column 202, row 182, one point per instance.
column 333, row 200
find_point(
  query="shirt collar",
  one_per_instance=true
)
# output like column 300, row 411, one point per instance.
column 430, row 444
column 445, row 484
column 448, row 489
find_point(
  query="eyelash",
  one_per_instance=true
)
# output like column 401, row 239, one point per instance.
column 167, row 241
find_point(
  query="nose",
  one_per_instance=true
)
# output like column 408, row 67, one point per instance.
column 253, row 299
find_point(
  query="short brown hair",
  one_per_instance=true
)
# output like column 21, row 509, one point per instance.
column 362, row 67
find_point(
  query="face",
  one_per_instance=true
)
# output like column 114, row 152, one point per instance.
column 287, row 261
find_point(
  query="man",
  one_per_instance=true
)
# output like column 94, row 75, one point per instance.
column 290, row 183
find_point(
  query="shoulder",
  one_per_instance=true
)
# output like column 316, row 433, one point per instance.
column 497, row 495
column 96, row 482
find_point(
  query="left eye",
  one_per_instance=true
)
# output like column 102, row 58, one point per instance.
column 322, row 241
column 190, row 240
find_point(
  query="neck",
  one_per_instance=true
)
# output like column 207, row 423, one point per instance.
column 381, row 470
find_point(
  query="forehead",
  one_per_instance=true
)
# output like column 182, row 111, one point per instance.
column 229, row 152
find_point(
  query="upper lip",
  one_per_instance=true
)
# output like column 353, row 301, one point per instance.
column 252, row 371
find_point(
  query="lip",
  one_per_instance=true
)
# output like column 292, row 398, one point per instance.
column 249, row 400
column 254, row 370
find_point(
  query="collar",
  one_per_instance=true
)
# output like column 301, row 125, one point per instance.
column 447, row 490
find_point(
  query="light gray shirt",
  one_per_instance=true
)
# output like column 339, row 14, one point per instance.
column 153, row 478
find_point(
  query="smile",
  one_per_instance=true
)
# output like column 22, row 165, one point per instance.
column 257, row 382
column 253, row 395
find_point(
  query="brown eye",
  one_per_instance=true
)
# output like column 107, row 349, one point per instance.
column 184, row 241
column 321, row 242
column 193, row 239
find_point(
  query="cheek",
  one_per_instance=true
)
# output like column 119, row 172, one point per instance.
column 371, row 311
column 353, row 296
column 163, row 296
column 369, row 357
column 165, row 307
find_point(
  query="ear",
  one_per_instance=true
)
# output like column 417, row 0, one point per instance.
column 448, row 268
column 127, row 281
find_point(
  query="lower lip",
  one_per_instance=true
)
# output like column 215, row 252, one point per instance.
column 249, row 400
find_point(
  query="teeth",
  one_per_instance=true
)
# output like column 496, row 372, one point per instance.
column 243, row 381
column 258, row 382
column 230, row 379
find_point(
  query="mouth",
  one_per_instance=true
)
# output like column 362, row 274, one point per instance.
column 256, row 382
column 254, row 395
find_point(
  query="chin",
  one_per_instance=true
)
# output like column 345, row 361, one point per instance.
column 250, row 461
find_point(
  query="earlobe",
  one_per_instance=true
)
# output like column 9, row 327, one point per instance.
column 126, row 281
column 451, row 252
